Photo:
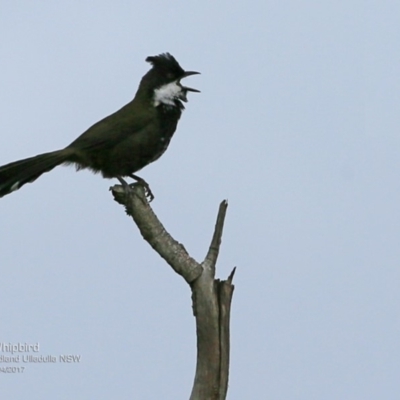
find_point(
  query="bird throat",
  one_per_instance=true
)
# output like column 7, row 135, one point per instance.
column 169, row 95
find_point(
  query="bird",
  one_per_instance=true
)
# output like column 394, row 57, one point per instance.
column 124, row 142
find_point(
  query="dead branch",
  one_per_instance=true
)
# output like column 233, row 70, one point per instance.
column 211, row 298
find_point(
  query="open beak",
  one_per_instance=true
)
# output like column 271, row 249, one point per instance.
column 188, row 89
column 188, row 73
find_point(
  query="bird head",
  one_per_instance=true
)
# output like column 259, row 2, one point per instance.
column 164, row 81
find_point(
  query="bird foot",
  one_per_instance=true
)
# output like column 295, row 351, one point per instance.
column 139, row 181
column 147, row 191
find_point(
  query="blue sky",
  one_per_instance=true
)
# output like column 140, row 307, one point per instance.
column 296, row 125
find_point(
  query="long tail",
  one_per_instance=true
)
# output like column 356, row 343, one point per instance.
column 16, row 174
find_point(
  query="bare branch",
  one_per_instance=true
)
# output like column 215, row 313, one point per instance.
column 213, row 251
column 225, row 293
column 154, row 232
column 211, row 297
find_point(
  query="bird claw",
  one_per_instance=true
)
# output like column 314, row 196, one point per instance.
column 147, row 191
column 139, row 181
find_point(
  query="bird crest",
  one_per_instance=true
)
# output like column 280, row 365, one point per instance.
column 167, row 63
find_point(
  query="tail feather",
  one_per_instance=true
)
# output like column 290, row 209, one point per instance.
column 16, row 174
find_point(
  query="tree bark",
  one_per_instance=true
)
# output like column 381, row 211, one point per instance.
column 211, row 298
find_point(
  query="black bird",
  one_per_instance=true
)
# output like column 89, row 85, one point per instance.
column 124, row 142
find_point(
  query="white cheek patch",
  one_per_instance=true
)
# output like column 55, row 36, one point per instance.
column 167, row 94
